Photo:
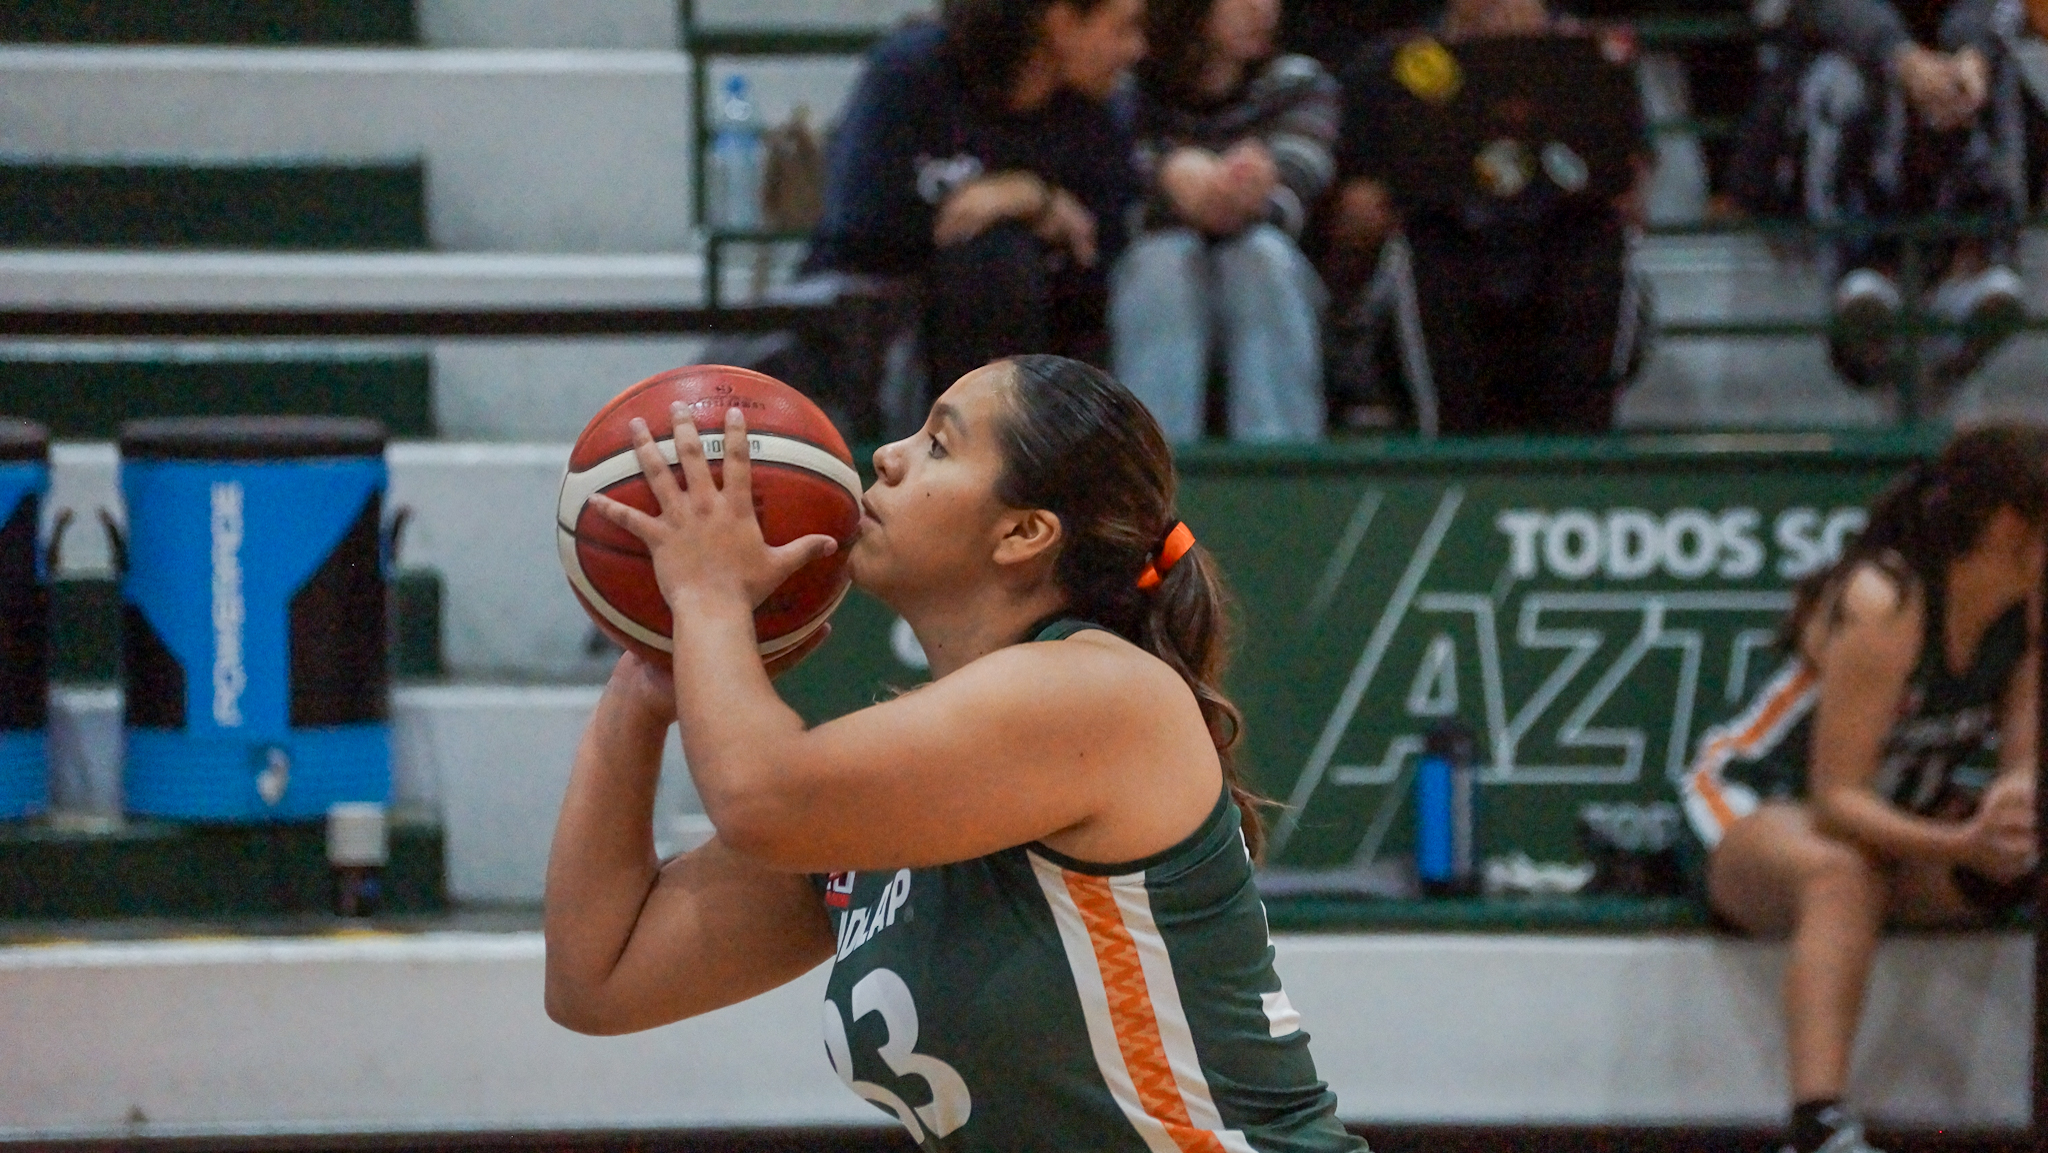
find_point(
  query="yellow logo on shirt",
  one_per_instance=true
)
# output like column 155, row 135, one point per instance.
column 1428, row 69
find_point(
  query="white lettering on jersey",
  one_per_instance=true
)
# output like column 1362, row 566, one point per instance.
column 859, row 926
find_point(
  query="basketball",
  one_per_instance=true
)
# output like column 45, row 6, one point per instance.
column 804, row 483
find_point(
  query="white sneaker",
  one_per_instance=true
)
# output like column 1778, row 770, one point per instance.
column 1865, row 335
column 1847, row 1139
column 1989, row 307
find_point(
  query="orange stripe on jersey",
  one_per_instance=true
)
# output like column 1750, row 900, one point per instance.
column 1709, row 788
column 1132, row 1015
column 1764, row 719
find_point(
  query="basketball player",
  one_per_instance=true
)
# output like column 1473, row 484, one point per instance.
column 1034, row 875
column 1839, row 798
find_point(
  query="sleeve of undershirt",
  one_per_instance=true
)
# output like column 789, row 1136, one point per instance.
column 1301, row 137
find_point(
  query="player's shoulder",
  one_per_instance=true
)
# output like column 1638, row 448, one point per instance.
column 1877, row 594
column 1088, row 671
column 1878, row 615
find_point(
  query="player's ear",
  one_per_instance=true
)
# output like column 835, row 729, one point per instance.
column 1028, row 535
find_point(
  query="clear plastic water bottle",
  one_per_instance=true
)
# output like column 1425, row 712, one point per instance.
column 732, row 179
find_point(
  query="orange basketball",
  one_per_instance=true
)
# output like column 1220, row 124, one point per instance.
column 804, row 483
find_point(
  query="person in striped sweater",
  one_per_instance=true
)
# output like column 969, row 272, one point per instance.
column 1234, row 147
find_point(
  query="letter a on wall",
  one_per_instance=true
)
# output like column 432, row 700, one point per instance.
column 1435, row 691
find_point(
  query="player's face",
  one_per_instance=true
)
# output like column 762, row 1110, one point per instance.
column 929, row 523
column 1242, row 30
column 1094, row 48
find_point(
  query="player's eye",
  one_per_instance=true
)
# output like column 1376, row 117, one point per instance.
column 937, row 450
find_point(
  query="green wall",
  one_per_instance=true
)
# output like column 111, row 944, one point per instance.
column 1589, row 607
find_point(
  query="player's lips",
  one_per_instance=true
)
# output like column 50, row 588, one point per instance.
column 867, row 511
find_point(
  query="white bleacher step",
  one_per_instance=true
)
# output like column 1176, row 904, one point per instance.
column 490, row 760
column 35, row 279
column 544, row 150
column 530, row 150
column 634, row 24
column 482, row 515
column 441, row 1032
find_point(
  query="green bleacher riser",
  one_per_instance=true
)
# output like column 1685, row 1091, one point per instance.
column 159, row 869
column 304, row 22
column 83, row 397
column 174, row 203
column 85, row 628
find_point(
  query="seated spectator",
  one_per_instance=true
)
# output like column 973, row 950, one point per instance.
column 1233, row 145
column 988, row 156
column 1845, row 795
column 1914, row 108
column 1514, row 310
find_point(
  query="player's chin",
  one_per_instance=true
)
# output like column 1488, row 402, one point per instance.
column 863, row 563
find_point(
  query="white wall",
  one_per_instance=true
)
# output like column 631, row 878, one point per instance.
column 447, row 1031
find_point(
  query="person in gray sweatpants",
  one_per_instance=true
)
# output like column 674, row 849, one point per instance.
column 1914, row 108
column 1234, row 146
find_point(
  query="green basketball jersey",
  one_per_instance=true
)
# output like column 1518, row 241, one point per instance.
column 1943, row 720
column 1028, row 1001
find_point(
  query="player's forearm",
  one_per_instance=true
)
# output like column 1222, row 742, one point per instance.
column 1856, row 814
column 738, row 735
column 602, row 862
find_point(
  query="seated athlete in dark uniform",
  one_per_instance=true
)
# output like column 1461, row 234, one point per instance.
column 1840, row 797
column 1034, row 875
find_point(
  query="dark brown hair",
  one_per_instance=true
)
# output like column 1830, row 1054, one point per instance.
column 991, row 39
column 1078, row 444
column 1176, row 50
column 1934, row 514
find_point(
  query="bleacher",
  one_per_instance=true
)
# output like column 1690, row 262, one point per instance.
column 476, row 220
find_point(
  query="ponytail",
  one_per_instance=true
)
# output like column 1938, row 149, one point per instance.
column 1079, row 445
column 1932, row 515
column 1188, row 627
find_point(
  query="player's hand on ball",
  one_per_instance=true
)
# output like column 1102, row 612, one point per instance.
column 645, row 686
column 706, row 542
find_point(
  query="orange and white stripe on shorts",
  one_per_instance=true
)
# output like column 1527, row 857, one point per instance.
column 1137, row 1027
column 1712, row 802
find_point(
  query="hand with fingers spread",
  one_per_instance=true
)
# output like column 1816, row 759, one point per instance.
column 706, row 543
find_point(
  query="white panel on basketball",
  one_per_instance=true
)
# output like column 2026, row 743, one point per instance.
column 762, row 448
column 566, row 543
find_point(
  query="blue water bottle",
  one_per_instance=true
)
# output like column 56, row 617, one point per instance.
column 24, row 621
column 1446, row 813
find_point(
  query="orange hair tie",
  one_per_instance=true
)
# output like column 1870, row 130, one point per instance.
column 1178, row 542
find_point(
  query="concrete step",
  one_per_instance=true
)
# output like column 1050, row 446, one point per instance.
column 482, row 516
column 86, row 389
column 508, row 136
column 146, row 202
column 488, row 761
column 441, row 1032
column 92, row 869
column 62, row 279
column 1786, row 381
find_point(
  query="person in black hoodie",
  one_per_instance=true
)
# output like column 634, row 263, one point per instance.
column 1517, row 315
column 989, row 155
